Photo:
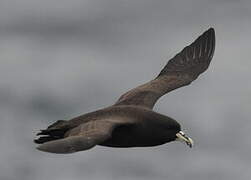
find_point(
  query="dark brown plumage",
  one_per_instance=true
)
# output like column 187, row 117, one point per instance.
column 130, row 122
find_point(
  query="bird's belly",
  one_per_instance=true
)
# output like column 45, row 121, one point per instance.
column 134, row 137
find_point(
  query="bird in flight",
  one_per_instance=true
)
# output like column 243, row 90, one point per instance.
column 131, row 122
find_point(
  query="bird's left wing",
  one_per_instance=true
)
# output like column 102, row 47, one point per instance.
column 180, row 71
column 80, row 138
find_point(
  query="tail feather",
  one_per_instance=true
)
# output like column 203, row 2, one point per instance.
column 53, row 132
column 44, row 139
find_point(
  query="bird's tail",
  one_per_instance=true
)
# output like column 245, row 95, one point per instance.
column 53, row 132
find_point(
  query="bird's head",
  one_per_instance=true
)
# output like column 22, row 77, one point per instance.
column 173, row 132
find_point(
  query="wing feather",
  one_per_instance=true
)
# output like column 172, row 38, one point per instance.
column 180, row 71
column 80, row 138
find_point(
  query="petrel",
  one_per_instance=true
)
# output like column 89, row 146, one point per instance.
column 131, row 122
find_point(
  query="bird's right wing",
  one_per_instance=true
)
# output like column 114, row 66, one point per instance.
column 180, row 71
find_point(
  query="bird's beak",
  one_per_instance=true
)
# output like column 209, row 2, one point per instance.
column 183, row 138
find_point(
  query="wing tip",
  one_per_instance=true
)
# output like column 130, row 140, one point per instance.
column 211, row 30
column 208, row 33
column 211, row 34
column 197, row 53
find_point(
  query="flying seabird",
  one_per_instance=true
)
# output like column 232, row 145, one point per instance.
column 131, row 122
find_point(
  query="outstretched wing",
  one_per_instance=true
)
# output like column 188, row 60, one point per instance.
column 80, row 138
column 180, row 71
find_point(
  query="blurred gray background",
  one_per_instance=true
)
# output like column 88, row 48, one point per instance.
column 60, row 59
